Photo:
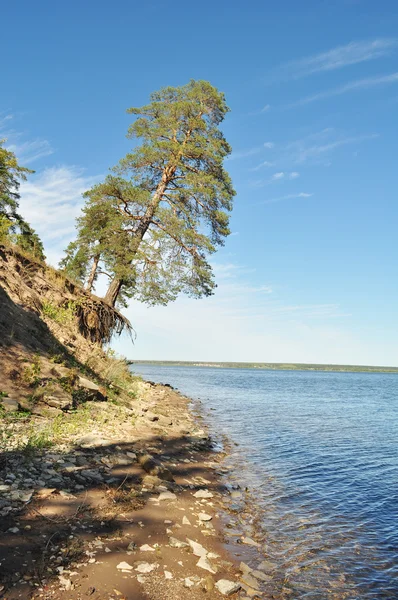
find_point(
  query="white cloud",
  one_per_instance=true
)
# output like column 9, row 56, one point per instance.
column 51, row 201
column 263, row 164
column 269, row 144
column 30, row 151
column 27, row 151
column 294, row 175
column 359, row 84
column 278, row 176
column 263, row 110
column 314, row 146
column 287, row 197
column 245, row 153
column 337, row 58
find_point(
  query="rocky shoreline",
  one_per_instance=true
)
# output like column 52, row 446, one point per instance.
column 139, row 507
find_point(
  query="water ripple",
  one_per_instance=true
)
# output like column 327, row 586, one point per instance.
column 320, row 452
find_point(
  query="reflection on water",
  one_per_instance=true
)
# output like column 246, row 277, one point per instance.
column 320, row 453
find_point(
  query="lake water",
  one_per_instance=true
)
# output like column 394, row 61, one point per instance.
column 320, row 453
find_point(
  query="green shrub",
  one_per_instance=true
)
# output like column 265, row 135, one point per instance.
column 63, row 315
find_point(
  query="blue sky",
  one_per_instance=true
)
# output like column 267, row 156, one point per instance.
column 310, row 271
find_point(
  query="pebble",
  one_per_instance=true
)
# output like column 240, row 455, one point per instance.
column 227, row 588
column 124, row 566
column 168, row 575
column 197, row 549
column 175, row 543
column 167, row 496
column 205, row 517
column 203, row 494
column 146, row 548
column 146, row 567
column 249, row 542
column 203, row 563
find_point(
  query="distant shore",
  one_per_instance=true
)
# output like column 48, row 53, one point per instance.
column 269, row 366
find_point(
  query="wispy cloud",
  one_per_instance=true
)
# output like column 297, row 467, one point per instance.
column 51, row 201
column 294, row 175
column 261, row 111
column 27, row 151
column 277, row 176
column 337, row 58
column 245, row 153
column 30, row 151
column 359, row 84
column 287, row 197
column 269, row 144
column 313, row 147
column 262, row 165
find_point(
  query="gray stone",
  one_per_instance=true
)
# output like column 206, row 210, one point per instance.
column 227, row 588
column 167, row 496
column 175, row 543
column 250, row 581
column 203, row 494
column 9, row 404
column 203, row 563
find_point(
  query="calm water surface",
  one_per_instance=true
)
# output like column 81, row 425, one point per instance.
column 320, row 452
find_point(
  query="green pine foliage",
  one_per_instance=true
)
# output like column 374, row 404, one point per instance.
column 12, row 226
column 153, row 224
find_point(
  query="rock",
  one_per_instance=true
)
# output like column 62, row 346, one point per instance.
column 168, row 575
column 153, row 467
column 267, row 566
column 93, row 475
column 227, row 588
column 203, row 494
column 185, row 520
column 91, row 440
column 203, row 563
column 197, row 549
column 151, row 481
column 205, row 517
column 146, row 548
column 175, row 543
column 91, row 390
column 146, row 567
column 250, row 581
column 152, row 417
column 9, row 404
column 87, row 384
column 124, row 566
column 249, row 542
column 65, row 583
column 260, row 575
column 13, row 530
column 167, row 496
column 188, row 583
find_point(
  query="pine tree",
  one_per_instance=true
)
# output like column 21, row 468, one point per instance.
column 173, row 185
column 11, row 222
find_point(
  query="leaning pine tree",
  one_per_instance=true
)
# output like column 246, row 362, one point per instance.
column 172, row 188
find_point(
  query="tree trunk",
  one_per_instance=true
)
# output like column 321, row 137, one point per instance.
column 93, row 272
column 116, row 284
column 113, row 291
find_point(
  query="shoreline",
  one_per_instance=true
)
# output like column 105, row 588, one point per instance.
column 138, row 508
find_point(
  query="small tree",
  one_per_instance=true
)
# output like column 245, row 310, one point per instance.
column 176, row 185
column 11, row 175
